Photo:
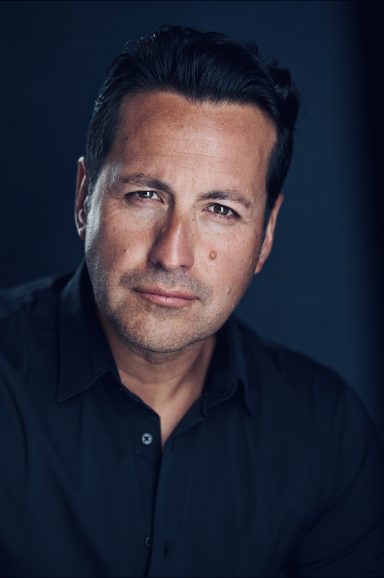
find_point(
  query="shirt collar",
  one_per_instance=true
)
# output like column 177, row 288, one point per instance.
column 228, row 371
column 83, row 348
column 85, row 355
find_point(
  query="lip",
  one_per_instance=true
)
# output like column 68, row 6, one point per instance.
column 173, row 299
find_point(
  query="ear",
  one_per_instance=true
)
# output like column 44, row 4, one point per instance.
column 81, row 198
column 269, row 234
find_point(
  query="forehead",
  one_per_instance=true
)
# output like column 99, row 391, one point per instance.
column 230, row 138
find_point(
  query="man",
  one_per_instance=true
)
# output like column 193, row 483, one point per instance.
column 144, row 431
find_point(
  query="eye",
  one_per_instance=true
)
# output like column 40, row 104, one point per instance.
column 222, row 211
column 142, row 198
column 146, row 195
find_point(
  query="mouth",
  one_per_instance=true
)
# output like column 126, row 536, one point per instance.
column 173, row 299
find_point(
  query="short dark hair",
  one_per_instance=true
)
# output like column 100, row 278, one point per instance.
column 201, row 66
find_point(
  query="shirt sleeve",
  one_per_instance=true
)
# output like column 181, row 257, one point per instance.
column 347, row 536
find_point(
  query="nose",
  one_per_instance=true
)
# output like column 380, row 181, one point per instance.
column 173, row 247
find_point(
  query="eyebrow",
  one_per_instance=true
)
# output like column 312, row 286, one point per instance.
column 142, row 180
column 227, row 196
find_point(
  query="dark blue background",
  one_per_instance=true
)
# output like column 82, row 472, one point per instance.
column 321, row 290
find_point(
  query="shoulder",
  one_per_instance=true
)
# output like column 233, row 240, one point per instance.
column 27, row 313
column 314, row 430
column 314, row 410
column 28, row 296
column 286, row 365
column 306, row 394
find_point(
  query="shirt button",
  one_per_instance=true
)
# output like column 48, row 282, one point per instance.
column 148, row 542
column 146, row 439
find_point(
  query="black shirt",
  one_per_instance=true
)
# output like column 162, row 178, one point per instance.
column 275, row 470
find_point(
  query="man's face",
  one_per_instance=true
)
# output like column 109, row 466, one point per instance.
column 174, row 227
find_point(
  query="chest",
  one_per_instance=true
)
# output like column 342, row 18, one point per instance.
column 103, row 498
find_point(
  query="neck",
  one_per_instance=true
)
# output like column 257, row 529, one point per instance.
column 158, row 377
column 169, row 382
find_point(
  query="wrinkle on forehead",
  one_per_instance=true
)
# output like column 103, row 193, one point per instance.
column 154, row 111
column 231, row 141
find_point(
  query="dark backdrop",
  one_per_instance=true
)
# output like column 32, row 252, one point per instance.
column 320, row 292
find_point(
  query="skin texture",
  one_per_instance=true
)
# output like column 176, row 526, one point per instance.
column 173, row 235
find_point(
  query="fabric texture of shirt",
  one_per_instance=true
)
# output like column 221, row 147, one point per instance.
column 274, row 470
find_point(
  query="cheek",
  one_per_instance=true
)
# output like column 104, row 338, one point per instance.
column 232, row 270
column 237, row 255
column 121, row 240
column 233, row 274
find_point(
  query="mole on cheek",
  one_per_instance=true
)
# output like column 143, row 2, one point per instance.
column 212, row 255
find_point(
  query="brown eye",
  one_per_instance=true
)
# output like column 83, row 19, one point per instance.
column 222, row 210
column 140, row 197
column 150, row 195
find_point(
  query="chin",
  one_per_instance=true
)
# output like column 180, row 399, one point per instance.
column 158, row 343
column 159, row 336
